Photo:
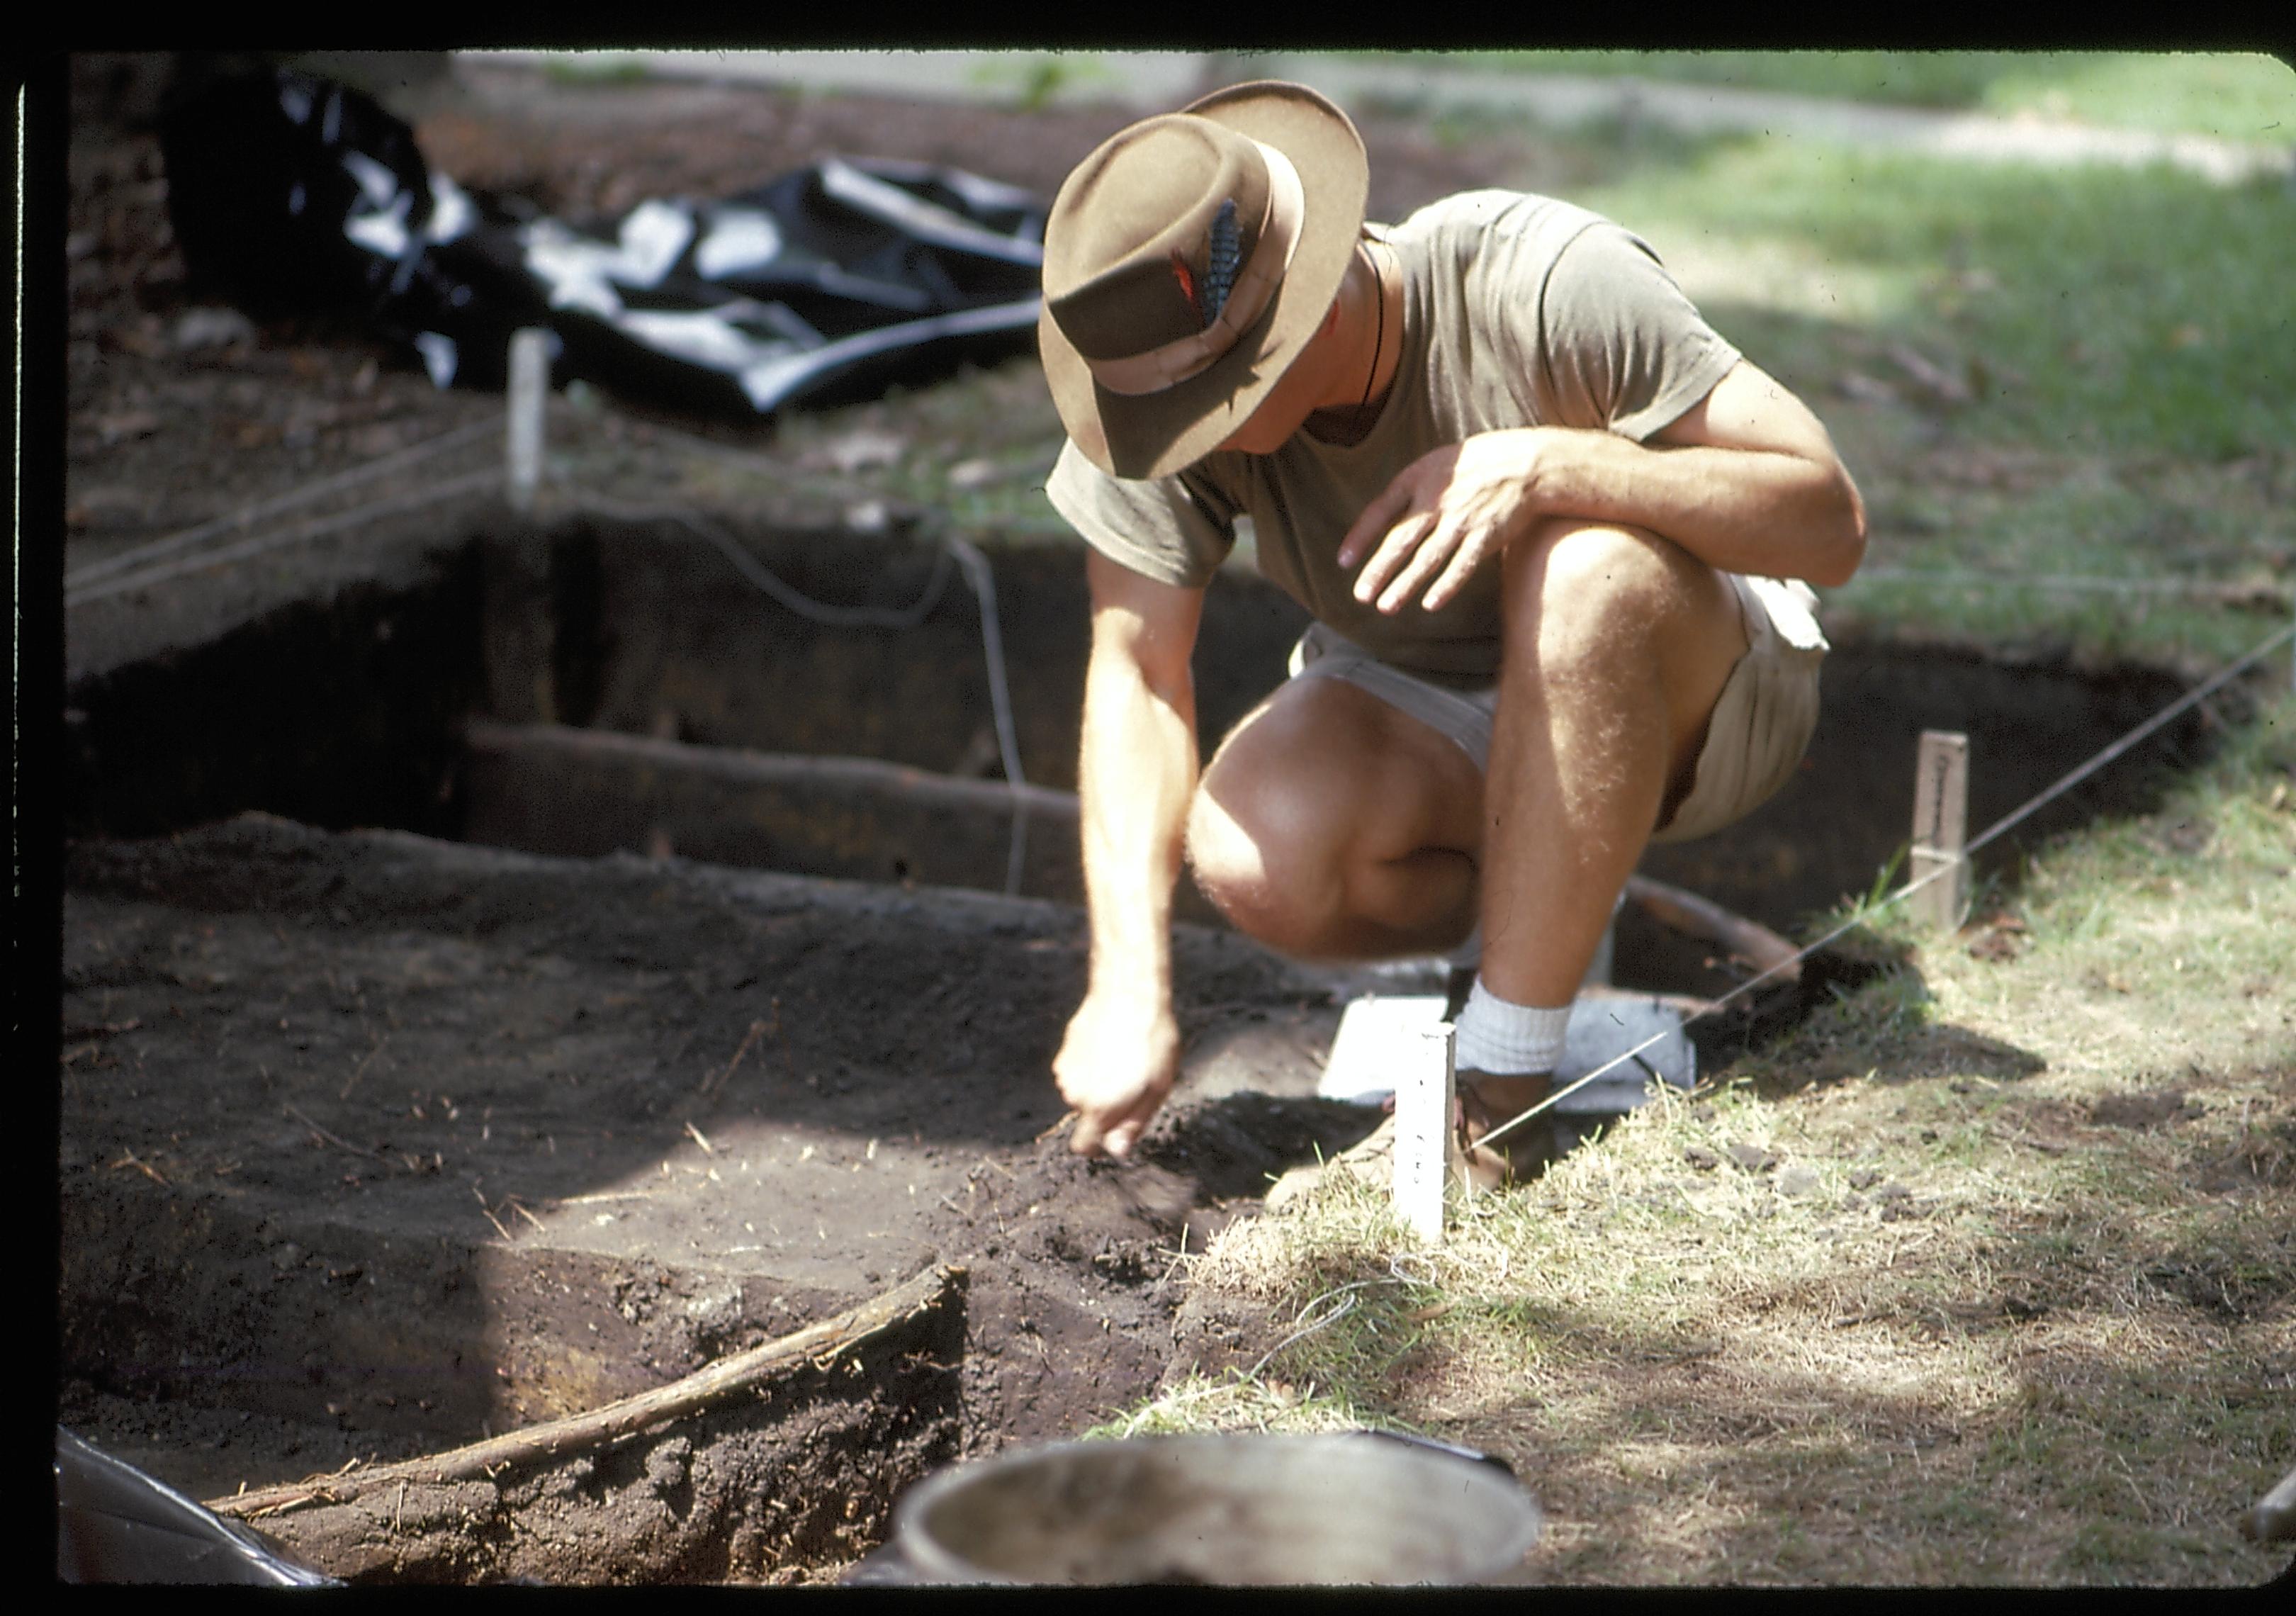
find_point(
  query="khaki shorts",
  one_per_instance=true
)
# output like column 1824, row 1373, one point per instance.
column 1761, row 724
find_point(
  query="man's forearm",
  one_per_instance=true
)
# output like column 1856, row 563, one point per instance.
column 1136, row 774
column 1768, row 513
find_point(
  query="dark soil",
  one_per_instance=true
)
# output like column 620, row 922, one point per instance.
column 371, row 1144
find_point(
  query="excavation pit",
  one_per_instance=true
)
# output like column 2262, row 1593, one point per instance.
column 487, row 994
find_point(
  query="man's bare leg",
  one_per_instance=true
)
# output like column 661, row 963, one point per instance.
column 1618, row 645
column 1331, row 825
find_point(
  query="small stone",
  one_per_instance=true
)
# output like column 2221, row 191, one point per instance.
column 1705, row 1161
column 211, row 328
column 1753, row 1158
column 1800, row 1179
column 861, row 450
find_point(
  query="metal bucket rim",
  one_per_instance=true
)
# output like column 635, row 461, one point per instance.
column 937, row 1561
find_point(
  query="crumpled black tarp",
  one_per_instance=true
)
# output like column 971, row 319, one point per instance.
column 114, row 1523
column 293, row 194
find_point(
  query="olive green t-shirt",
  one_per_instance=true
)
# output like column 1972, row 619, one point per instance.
column 1517, row 310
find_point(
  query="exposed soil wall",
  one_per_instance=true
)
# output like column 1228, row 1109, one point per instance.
column 351, row 714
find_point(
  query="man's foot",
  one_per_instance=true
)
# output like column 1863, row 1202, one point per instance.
column 1487, row 1102
column 1371, row 1160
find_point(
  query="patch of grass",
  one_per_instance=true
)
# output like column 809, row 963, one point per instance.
column 2033, row 374
column 1031, row 80
column 2235, row 96
column 2027, row 1320
column 2078, row 292
column 593, row 67
column 972, row 452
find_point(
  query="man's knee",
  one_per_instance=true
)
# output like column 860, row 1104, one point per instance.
column 1255, row 854
column 1268, row 831
column 1579, row 592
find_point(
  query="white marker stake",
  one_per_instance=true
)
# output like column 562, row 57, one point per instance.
column 1940, row 821
column 530, row 380
column 1425, row 1142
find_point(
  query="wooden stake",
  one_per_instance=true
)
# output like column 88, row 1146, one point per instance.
column 530, row 384
column 1940, row 827
column 1427, row 1155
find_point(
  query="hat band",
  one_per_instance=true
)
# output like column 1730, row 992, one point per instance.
column 1159, row 368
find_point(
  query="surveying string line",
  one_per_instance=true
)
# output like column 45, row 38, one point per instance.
column 470, row 482
column 2191, row 699
column 2108, row 586
column 399, row 460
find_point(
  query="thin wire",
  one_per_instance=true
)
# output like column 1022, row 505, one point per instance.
column 2191, row 699
column 469, row 483
column 174, row 542
column 765, row 579
column 2114, row 585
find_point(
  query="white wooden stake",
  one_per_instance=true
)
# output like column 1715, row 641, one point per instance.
column 530, row 384
column 1940, row 827
column 1427, row 1156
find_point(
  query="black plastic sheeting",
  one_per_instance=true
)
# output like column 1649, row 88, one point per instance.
column 291, row 193
column 114, row 1523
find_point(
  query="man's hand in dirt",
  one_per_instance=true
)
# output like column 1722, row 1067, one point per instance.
column 1446, row 513
column 1115, row 1067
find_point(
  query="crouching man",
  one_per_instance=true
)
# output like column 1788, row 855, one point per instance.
column 1554, row 532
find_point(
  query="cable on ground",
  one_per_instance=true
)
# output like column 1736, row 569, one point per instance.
column 949, row 550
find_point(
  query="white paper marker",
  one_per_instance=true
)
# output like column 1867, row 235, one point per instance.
column 1425, row 1142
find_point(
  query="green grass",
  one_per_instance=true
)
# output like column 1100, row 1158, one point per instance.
column 2235, row 96
column 2011, row 1335
column 594, row 67
column 2126, row 347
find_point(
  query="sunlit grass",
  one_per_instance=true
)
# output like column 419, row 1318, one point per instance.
column 2027, row 1315
column 2098, row 317
column 2232, row 95
column 2117, row 403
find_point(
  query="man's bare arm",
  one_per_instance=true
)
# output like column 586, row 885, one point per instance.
column 1136, row 773
column 1747, row 481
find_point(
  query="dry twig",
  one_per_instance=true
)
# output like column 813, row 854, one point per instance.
column 711, row 1086
column 130, row 1159
column 333, row 1139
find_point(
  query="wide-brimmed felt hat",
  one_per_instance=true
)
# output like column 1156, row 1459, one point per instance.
column 1187, row 261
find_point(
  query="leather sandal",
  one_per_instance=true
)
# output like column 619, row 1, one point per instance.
column 1487, row 1101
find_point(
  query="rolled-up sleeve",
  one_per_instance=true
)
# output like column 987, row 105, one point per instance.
column 1175, row 529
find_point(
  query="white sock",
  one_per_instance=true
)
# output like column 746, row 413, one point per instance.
column 1507, row 1039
